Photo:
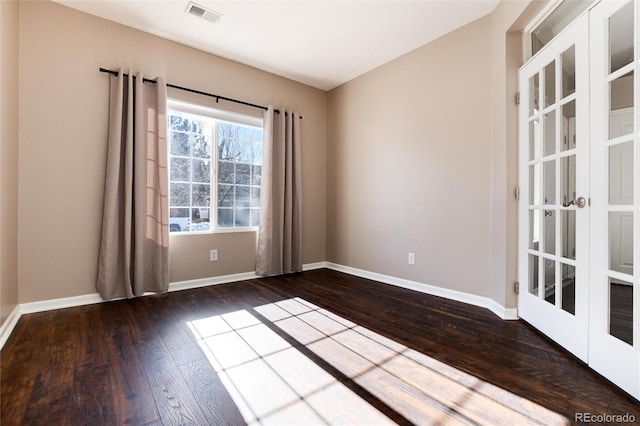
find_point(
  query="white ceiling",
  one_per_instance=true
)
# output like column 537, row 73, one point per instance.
column 319, row 43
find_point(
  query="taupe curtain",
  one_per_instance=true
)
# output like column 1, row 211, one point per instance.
column 134, row 247
column 280, row 235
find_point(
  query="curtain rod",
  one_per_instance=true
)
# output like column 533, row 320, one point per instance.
column 199, row 92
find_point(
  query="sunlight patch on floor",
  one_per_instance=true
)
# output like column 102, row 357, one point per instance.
column 271, row 382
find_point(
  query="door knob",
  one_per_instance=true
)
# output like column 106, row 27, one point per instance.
column 579, row 202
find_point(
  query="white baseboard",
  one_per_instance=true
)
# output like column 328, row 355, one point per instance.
column 8, row 325
column 205, row 282
column 312, row 266
column 472, row 299
column 64, row 302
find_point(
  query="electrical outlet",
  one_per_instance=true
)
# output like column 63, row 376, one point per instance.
column 213, row 255
column 411, row 259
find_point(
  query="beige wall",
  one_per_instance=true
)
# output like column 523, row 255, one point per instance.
column 63, row 124
column 423, row 158
column 8, row 157
column 409, row 165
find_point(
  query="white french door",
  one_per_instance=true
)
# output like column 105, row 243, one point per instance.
column 579, row 211
column 554, row 189
column 614, row 298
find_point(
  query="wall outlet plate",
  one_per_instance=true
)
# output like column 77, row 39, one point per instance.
column 213, row 255
column 411, row 259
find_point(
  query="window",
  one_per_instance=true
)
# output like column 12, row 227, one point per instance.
column 554, row 22
column 215, row 164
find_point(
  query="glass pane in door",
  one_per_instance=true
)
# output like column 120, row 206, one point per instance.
column 621, row 37
column 550, row 281
column 621, row 104
column 550, row 84
column 568, row 179
column 568, row 288
column 621, row 242
column 621, row 310
column 549, row 133
column 621, row 184
column 534, row 185
column 568, row 71
column 568, row 233
column 534, row 94
column 534, row 139
column 533, row 274
column 549, row 170
column 569, row 126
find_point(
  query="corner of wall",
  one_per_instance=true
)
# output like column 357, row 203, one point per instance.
column 9, row 16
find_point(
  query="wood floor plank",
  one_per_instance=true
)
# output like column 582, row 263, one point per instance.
column 212, row 397
column 138, row 361
column 173, row 398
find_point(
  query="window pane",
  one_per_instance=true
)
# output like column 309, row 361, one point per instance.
column 179, row 195
column 242, row 196
column 256, row 175
column 225, row 218
column 562, row 16
column 201, row 195
column 257, row 153
column 201, row 146
column 178, row 219
column 202, row 171
column 255, row 196
column 243, row 174
column 256, row 134
column 244, row 151
column 225, row 195
column 180, row 144
column 226, row 172
column 180, row 169
column 242, row 217
column 178, row 121
column 534, row 139
column 244, row 133
column 201, row 125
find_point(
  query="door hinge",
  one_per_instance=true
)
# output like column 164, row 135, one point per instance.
column 517, row 98
column 516, row 287
column 517, row 193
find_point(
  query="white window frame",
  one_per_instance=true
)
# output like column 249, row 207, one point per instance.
column 218, row 115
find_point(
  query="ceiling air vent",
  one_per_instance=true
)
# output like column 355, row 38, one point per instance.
column 202, row 12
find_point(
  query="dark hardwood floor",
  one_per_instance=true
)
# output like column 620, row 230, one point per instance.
column 316, row 347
